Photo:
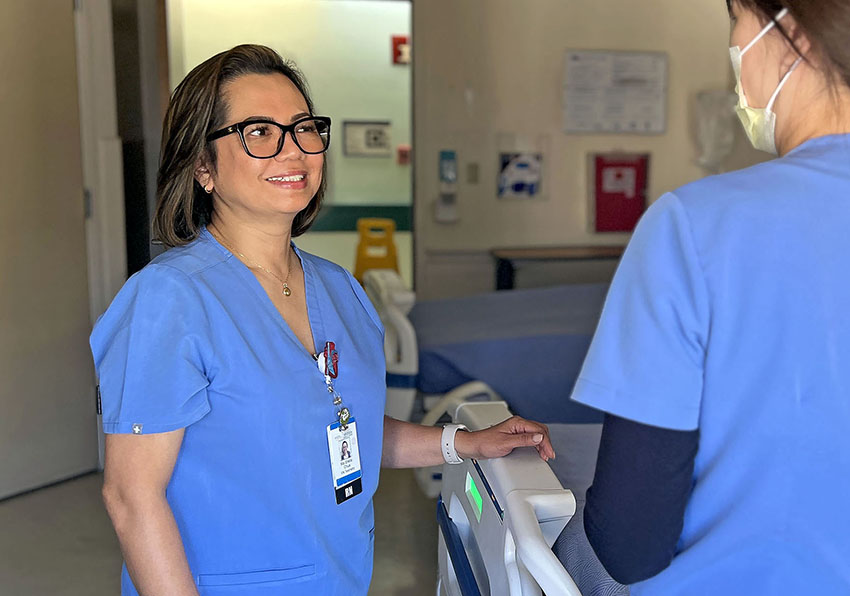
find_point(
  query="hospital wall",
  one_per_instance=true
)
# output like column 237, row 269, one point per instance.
column 47, row 392
column 489, row 69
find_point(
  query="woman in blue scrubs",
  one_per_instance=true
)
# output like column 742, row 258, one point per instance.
column 234, row 368
column 722, row 357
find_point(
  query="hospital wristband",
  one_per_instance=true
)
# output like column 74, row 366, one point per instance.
column 448, row 443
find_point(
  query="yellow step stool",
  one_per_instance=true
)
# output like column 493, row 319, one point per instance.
column 376, row 247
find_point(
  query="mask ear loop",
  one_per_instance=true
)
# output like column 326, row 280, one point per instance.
column 782, row 84
column 780, row 15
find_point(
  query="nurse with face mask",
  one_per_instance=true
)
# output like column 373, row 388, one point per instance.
column 759, row 123
column 722, row 359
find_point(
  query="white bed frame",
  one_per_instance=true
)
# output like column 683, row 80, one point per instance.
column 393, row 302
column 501, row 543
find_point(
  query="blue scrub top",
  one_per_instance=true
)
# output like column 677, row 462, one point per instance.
column 192, row 341
column 730, row 312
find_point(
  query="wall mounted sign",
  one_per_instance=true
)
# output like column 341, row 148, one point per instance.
column 520, row 175
column 366, row 139
column 619, row 183
column 615, row 92
column 401, row 49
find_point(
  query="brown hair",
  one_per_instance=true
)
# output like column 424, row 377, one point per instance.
column 826, row 24
column 197, row 108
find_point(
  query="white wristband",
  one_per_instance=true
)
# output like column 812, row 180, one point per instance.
column 448, row 443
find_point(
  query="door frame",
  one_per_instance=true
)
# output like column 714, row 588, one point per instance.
column 103, row 177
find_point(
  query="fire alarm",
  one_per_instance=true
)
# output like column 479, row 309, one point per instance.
column 401, row 49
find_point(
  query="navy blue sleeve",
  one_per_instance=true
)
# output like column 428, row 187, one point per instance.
column 636, row 506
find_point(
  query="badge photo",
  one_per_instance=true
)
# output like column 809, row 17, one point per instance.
column 345, row 460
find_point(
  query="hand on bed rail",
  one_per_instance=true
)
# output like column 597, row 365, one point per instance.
column 500, row 440
column 408, row 445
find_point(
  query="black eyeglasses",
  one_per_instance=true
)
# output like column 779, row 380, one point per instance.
column 263, row 139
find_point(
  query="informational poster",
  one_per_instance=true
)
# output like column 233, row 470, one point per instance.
column 366, row 139
column 615, row 92
column 520, row 175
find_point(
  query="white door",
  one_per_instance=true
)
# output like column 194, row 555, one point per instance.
column 47, row 399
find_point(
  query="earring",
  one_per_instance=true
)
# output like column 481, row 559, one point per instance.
column 208, row 189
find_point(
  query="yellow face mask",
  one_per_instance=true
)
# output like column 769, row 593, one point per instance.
column 759, row 123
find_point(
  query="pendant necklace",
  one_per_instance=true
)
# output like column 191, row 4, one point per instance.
column 253, row 264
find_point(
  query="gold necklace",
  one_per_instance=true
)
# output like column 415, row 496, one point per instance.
column 251, row 263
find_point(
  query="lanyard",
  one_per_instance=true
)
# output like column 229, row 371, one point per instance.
column 328, row 362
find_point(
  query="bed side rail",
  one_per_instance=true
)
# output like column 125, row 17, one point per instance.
column 457, row 552
column 536, row 506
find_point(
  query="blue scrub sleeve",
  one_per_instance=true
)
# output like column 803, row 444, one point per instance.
column 646, row 360
column 148, row 351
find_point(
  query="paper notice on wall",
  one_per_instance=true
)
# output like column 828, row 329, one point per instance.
column 366, row 139
column 615, row 92
column 620, row 181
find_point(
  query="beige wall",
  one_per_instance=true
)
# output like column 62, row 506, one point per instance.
column 47, row 413
column 487, row 67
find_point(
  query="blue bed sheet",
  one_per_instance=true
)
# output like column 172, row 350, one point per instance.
column 528, row 345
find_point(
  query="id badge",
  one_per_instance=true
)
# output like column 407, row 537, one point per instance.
column 345, row 461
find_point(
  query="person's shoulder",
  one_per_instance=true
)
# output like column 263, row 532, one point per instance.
column 171, row 278
column 165, row 285
column 330, row 273
column 758, row 189
column 340, row 278
column 323, row 267
column 731, row 188
column 189, row 259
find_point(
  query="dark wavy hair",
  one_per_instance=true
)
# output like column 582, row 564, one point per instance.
column 826, row 24
column 197, row 108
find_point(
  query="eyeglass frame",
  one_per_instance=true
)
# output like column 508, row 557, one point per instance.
column 239, row 127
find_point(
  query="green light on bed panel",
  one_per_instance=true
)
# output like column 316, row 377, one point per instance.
column 474, row 496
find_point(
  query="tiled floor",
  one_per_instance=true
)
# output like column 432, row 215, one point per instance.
column 58, row 541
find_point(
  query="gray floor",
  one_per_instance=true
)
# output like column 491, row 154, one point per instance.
column 58, row 541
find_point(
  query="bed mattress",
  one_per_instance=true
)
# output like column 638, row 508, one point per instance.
column 528, row 345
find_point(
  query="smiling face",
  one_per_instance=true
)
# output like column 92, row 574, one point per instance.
column 261, row 189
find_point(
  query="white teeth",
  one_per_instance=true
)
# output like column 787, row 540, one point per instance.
column 296, row 178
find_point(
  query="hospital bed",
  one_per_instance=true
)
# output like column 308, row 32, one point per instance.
column 527, row 345
column 522, row 346
column 500, row 519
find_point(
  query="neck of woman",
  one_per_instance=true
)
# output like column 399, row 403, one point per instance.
column 817, row 113
column 264, row 243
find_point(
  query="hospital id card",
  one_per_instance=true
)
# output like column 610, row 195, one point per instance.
column 345, row 461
